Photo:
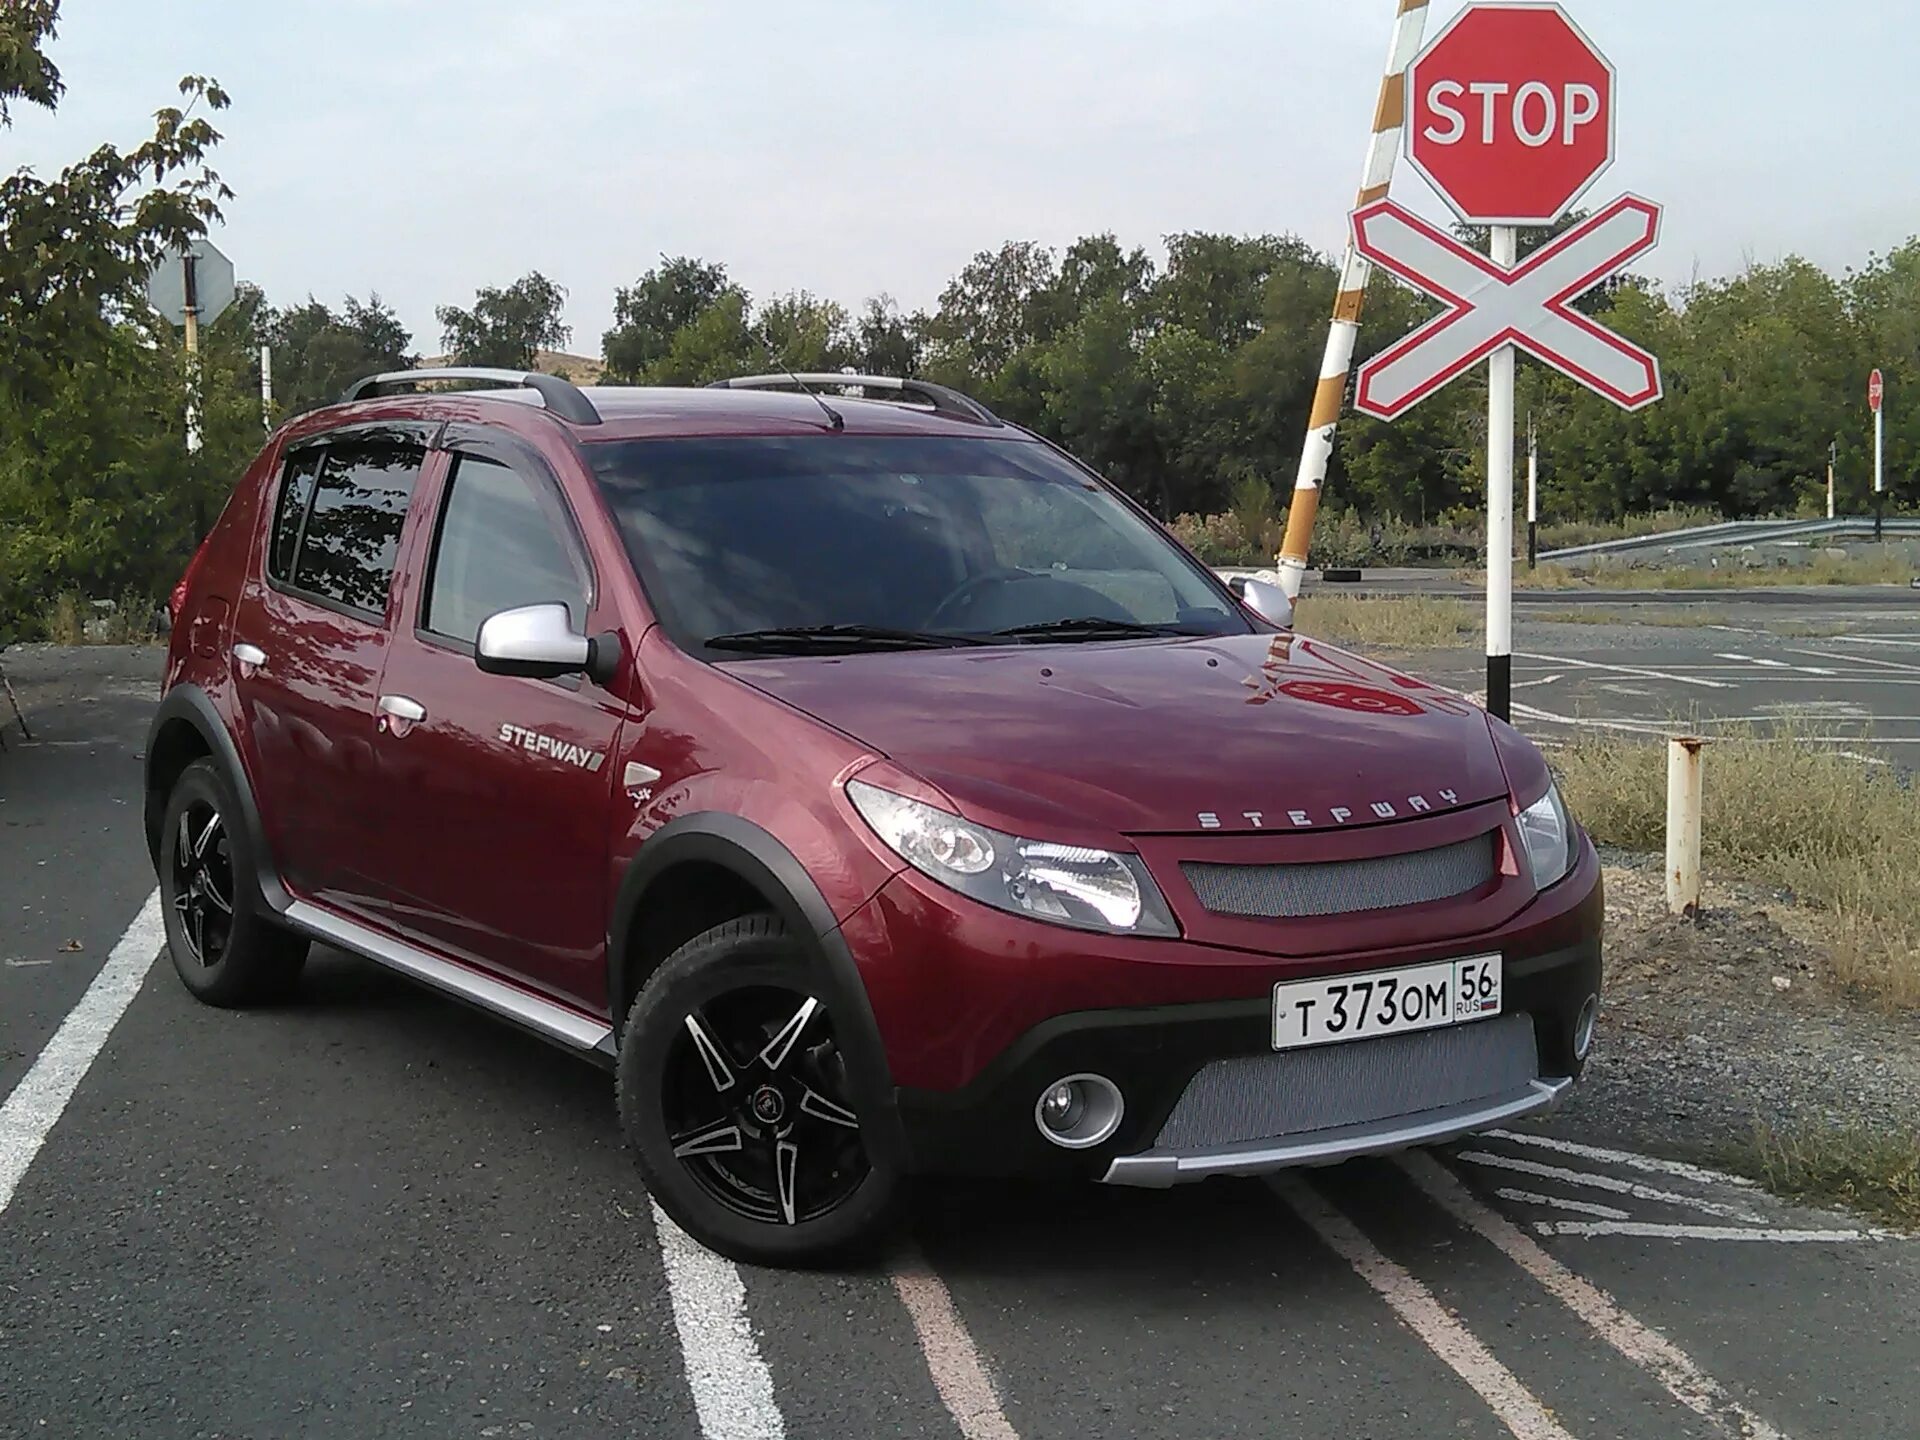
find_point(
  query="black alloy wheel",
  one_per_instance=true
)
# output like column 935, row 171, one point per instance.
column 756, row 1105
column 203, row 882
column 749, row 1123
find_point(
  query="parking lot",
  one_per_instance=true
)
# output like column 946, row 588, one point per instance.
column 370, row 1212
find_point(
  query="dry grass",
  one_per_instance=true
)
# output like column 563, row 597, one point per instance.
column 1871, row 1171
column 71, row 620
column 1841, row 836
column 1687, row 618
column 1886, row 567
column 1398, row 622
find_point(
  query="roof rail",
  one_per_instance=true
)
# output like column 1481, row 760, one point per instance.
column 938, row 398
column 559, row 395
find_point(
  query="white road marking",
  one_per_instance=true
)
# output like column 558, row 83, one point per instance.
column 1631, row 726
column 1751, row 660
column 1781, row 664
column 1543, row 680
column 1554, row 1202
column 1647, row 1231
column 952, row 1359
column 1893, row 665
column 1632, row 1338
column 36, row 1103
column 1611, row 1184
column 1650, row 1164
column 1441, row 1332
column 1638, row 672
column 732, row 1387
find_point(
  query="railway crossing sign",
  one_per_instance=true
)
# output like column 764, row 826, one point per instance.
column 1490, row 306
column 1510, row 113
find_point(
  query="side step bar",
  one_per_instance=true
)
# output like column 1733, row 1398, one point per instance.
column 545, row 1018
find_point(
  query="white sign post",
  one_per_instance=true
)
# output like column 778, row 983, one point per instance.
column 1877, row 401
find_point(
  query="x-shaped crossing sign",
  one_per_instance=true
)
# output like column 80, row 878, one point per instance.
column 1489, row 306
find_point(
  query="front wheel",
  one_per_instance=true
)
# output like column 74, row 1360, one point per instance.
column 734, row 1094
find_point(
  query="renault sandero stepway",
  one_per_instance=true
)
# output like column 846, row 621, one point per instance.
column 868, row 785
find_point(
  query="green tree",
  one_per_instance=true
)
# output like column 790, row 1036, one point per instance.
column 96, row 489
column 318, row 353
column 655, row 308
column 507, row 327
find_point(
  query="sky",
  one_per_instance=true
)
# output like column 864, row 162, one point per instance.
column 853, row 147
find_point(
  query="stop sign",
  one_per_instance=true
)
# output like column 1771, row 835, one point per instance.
column 1510, row 113
column 1876, row 391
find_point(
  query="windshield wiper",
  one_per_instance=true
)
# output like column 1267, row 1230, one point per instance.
column 1091, row 627
column 789, row 638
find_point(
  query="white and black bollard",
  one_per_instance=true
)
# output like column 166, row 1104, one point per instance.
column 1685, row 789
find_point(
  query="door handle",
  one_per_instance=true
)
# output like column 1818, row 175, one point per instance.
column 249, row 654
column 401, row 708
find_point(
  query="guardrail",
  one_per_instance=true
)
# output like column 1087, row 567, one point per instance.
column 1735, row 532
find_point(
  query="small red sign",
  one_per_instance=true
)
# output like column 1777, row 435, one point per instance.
column 1876, row 392
column 1510, row 113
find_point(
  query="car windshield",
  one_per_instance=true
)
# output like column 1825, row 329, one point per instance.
column 839, row 542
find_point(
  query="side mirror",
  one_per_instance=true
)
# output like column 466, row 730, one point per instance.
column 540, row 643
column 1267, row 601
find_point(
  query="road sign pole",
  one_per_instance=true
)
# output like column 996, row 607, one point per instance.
column 266, row 386
column 193, row 354
column 1533, row 495
column 1879, row 469
column 1832, row 456
column 1500, row 504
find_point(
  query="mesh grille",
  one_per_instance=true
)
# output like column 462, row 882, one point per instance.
column 1265, row 1097
column 1343, row 887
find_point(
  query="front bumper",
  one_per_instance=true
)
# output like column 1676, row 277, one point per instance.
column 1157, row 1169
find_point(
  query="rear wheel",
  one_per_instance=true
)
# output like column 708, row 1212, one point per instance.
column 734, row 1093
column 226, row 951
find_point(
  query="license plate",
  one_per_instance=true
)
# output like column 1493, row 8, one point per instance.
column 1385, row 1002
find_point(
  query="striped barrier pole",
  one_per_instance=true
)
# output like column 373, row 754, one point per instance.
column 1330, row 396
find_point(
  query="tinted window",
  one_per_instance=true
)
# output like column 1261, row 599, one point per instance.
column 953, row 536
column 296, row 489
column 353, row 532
column 497, row 549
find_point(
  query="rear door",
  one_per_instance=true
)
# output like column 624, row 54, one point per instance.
column 495, row 790
column 309, row 641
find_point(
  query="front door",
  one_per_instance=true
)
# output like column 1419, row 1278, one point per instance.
column 309, row 641
column 496, row 790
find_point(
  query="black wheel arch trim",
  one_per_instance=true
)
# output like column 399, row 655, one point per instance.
column 189, row 704
column 762, row 861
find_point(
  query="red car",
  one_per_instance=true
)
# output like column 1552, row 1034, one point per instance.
column 871, row 787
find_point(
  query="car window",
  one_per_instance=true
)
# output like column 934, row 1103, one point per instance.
column 961, row 537
column 353, row 530
column 296, row 489
column 497, row 548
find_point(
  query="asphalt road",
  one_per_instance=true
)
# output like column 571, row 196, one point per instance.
column 373, row 1213
column 1841, row 668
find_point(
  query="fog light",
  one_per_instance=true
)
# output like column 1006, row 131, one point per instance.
column 1079, row 1111
column 1583, row 1027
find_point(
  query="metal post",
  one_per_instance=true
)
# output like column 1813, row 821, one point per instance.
column 1506, row 244
column 193, row 355
column 1684, row 790
column 266, row 386
column 1833, row 458
column 1879, row 468
column 1383, row 148
column 1533, row 495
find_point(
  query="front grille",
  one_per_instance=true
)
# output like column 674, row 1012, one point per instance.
column 1292, row 1092
column 1343, row 887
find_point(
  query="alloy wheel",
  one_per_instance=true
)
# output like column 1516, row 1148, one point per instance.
column 203, row 882
column 756, row 1106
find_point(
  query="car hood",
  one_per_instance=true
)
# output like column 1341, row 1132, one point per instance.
column 1235, row 733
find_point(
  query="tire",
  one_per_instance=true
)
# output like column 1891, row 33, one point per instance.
column 781, row 1181
column 225, row 947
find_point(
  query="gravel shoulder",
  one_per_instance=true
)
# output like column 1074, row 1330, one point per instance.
column 1716, row 1025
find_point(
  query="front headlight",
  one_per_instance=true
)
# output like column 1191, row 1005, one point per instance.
column 1547, row 835
column 1065, row 884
